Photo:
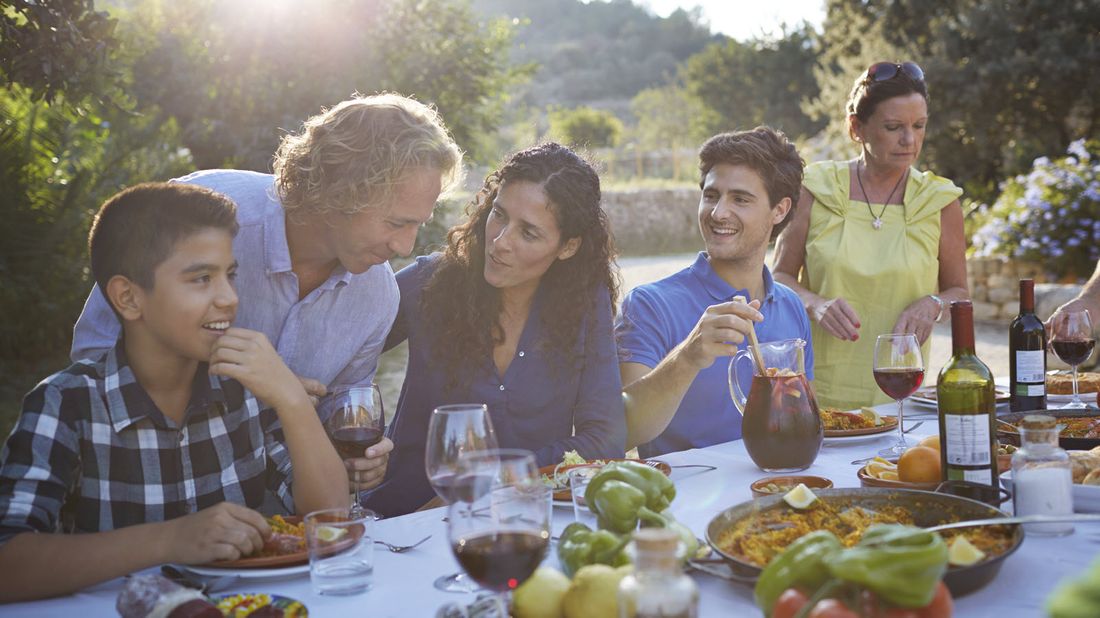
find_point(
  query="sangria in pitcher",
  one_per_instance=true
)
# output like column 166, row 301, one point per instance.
column 781, row 428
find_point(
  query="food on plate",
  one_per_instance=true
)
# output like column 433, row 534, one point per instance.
column 961, row 552
column 883, row 469
column 151, row 594
column 834, row 419
column 919, row 464
column 758, row 538
column 892, row 565
column 557, row 479
column 1084, row 462
column 286, row 538
column 260, row 606
column 1062, row 383
column 541, row 595
column 800, row 497
column 1072, row 427
column 774, row 488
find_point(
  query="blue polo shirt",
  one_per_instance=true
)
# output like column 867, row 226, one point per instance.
column 657, row 316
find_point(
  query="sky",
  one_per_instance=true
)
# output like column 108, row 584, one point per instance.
column 744, row 19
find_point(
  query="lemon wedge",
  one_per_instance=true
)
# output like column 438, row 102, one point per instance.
column 328, row 534
column 800, row 497
column 962, row 552
column 872, row 415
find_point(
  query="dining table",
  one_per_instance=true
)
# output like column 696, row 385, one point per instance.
column 402, row 584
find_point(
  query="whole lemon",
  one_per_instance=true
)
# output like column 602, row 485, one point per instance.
column 931, row 442
column 541, row 595
column 919, row 464
column 595, row 592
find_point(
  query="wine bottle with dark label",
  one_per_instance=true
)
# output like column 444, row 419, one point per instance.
column 1027, row 344
column 967, row 408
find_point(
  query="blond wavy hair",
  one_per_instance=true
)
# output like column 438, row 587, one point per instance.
column 350, row 158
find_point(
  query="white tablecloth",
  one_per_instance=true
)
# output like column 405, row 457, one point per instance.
column 403, row 582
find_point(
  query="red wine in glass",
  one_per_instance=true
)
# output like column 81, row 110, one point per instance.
column 500, row 561
column 1073, row 351
column 350, row 442
column 899, row 383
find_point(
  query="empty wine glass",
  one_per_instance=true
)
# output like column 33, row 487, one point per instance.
column 1072, row 341
column 358, row 421
column 899, row 371
column 454, row 431
column 499, row 526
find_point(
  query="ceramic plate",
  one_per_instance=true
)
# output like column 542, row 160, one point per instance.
column 1086, row 498
column 927, row 395
column 250, row 573
column 889, row 423
column 266, row 562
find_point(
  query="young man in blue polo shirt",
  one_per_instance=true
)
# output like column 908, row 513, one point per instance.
column 675, row 333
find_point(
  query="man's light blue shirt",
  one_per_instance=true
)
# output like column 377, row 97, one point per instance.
column 333, row 335
column 657, row 317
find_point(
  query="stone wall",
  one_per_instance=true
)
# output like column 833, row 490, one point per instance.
column 654, row 221
column 995, row 288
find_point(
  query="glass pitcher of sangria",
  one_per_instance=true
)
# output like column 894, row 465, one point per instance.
column 781, row 426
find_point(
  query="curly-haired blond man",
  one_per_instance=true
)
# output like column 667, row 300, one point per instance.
column 349, row 192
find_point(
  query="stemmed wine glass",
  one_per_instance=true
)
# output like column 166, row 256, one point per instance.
column 899, row 371
column 358, row 421
column 499, row 527
column 1072, row 341
column 453, row 431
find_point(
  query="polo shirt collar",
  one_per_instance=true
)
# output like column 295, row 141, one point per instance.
column 128, row 402
column 719, row 289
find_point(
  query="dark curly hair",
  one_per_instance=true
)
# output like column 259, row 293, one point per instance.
column 467, row 309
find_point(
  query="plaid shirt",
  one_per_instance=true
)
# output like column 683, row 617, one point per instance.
column 91, row 452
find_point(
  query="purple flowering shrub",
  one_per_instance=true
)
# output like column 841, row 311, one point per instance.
column 1050, row 216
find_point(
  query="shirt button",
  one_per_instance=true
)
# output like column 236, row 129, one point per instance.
column 521, row 352
column 180, row 436
column 501, row 387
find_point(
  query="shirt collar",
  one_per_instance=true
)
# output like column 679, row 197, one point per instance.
column 719, row 289
column 128, row 402
column 277, row 249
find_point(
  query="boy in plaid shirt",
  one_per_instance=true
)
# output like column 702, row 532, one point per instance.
column 157, row 451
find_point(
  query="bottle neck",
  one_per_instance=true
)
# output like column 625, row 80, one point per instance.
column 1027, row 296
column 1031, row 438
column 660, row 561
column 962, row 328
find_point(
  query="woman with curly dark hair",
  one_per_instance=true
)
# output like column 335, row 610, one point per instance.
column 517, row 314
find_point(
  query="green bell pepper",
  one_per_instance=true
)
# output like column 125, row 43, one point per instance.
column 618, row 506
column 579, row 546
column 658, row 489
column 802, row 564
column 900, row 564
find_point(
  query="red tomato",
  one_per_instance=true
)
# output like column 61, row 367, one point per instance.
column 832, row 608
column 940, row 607
column 789, row 603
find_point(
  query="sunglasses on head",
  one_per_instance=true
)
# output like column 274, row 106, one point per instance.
column 883, row 71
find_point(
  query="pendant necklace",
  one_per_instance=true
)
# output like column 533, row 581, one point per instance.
column 876, row 220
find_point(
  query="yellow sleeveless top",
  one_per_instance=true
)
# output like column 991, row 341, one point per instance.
column 879, row 272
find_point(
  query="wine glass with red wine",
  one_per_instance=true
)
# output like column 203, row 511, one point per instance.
column 358, row 421
column 899, row 371
column 454, row 431
column 1072, row 341
column 499, row 529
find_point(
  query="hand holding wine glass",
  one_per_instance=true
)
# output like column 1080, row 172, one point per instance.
column 899, row 372
column 358, row 421
column 499, row 528
column 1072, row 341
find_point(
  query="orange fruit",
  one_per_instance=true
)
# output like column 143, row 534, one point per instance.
column 919, row 464
column 931, row 442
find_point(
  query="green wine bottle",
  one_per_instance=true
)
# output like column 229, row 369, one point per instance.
column 967, row 408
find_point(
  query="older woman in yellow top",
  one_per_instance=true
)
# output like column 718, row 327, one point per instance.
column 876, row 246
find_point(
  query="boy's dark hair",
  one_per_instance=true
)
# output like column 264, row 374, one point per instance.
column 767, row 152
column 136, row 229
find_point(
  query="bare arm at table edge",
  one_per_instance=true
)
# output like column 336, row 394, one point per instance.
column 652, row 396
column 835, row 315
column 37, row 565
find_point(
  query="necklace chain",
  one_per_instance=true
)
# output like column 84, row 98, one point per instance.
column 876, row 220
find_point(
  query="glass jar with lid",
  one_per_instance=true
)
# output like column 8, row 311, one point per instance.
column 658, row 587
column 1042, row 476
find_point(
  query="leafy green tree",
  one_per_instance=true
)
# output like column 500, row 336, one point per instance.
column 234, row 83
column 670, row 118
column 585, row 127
column 1009, row 81
column 761, row 82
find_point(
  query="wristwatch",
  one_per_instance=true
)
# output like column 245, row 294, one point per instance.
column 941, row 303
